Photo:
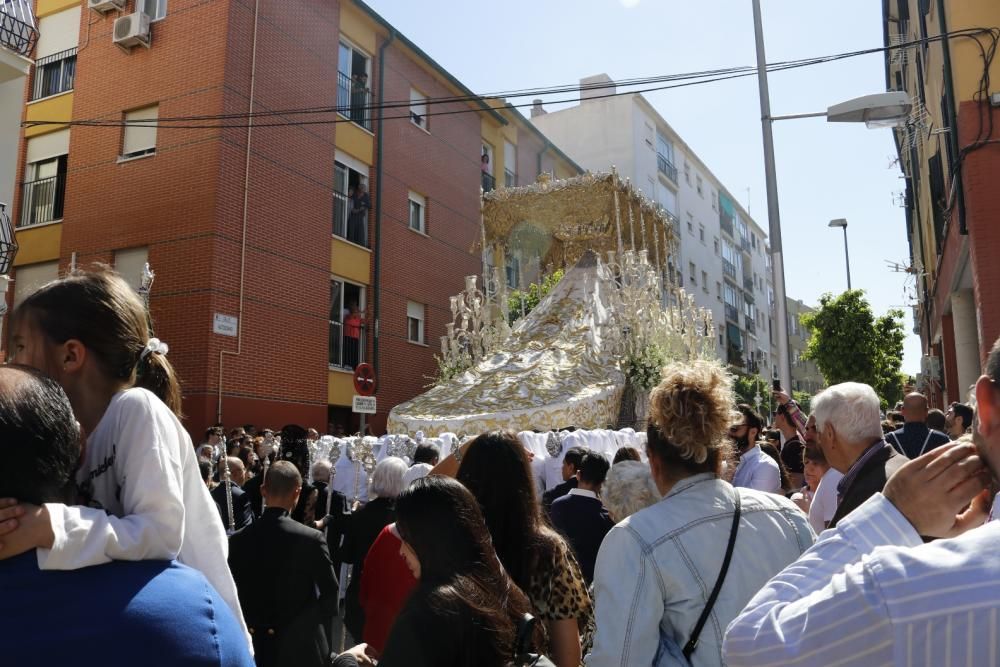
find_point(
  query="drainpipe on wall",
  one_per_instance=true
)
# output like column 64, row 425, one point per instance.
column 376, row 282
column 246, row 215
column 949, row 95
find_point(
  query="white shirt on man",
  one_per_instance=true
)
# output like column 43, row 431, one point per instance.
column 824, row 502
column 870, row 592
column 758, row 471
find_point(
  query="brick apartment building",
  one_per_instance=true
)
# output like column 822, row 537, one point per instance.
column 949, row 160
column 246, row 222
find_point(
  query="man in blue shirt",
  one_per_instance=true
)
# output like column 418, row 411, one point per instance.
column 120, row 613
column 915, row 438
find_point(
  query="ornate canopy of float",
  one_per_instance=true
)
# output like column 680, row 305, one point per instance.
column 600, row 336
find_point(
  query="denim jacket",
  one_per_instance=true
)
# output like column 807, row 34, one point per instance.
column 656, row 569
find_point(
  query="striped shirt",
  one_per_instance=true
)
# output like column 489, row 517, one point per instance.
column 869, row 592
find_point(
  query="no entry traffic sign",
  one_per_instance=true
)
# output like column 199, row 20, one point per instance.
column 364, row 380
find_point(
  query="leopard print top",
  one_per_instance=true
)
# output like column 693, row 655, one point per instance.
column 557, row 591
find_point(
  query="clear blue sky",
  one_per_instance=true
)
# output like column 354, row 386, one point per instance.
column 825, row 170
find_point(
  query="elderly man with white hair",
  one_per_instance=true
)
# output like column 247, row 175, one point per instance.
column 849, row 430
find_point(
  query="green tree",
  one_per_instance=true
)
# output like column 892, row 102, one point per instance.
column 850, row 344
column 522, row 302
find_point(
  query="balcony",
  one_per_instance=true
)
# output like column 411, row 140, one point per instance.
column 17, row 26
column 54, row 74
column 748, row 283
column 488, row 182
column 729, row 268
column 732, row 313
column 726, row 222
column 354, row 101
column 347, row 345
column 745, row 244
column 666, row 167
column 509, row 178
column 42, row 201
column 751, row 326
column 348, row 225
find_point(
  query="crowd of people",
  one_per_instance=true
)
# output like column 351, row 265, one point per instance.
column 843, row 536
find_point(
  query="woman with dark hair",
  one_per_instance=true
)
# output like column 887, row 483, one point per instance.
column 772, row 451
column 656, row 570
column 496, row 469
column 465, row 609
column 626, row 454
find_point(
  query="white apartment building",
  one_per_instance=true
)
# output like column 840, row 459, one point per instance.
column 723, row 258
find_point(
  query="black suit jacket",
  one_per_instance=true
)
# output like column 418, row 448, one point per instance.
column 360, row 531
column 242, row 511
column 279, row 565
column 331, row 504
column 869, row 481
column 556, row 492
column 252, row 489
column 584, row 521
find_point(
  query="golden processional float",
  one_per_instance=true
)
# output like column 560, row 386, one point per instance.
column 589, row 352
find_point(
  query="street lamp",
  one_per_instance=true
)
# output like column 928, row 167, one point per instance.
column 842, row 223
column 875, row 110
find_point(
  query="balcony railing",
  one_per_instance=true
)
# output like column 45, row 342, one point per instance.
column 509, row 178
column 666, row 167
column 732, row 313
column 347, row 345
column 745, row 244
column 42, row 201
column 347, row 225
column 751, row 326
column 748, row 283
column 729, row 268
column 17, row 26
column 54, row 74
column 354, row 101
column 488, row 182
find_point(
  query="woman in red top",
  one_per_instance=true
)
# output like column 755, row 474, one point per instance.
column 386, row 582
column 353, row 322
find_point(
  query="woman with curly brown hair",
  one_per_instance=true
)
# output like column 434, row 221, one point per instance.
column 677, row 551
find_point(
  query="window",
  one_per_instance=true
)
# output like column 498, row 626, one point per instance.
column 347, row 324
column 27, row 279
column 513, row 271
column 687, row 172
column 715, row 242
column 715, row 200
column 701, row 232
column 509, row 164
column 154, row 9
column 415, row 322
column 418, row 108
column 665, row 157
column 704, row 281
column 54, row 74
column 354, row 97
column 718, row 290
column 140, row 132
column 130, row 264
column 693, row 271
column 700, row 187
column 43, row 194
column 418, row 206
column 690, row 227
column 351, row 201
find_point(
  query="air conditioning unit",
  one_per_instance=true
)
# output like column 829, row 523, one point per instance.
column 132, row 30
column 104, row 6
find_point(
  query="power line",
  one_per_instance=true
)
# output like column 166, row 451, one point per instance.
column 670, row 81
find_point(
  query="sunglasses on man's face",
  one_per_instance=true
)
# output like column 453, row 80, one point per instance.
column 735, row 428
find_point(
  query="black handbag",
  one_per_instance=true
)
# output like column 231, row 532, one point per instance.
column 523, row 657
